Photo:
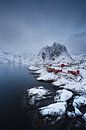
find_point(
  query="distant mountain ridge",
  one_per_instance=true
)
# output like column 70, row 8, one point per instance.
column 56, row 53
column 10, row 58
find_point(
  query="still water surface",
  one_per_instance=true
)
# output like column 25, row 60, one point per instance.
column 14, row 81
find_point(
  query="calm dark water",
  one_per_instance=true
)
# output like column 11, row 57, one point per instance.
column 14, row 81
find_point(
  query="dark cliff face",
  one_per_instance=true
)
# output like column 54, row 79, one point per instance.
column 50, row 52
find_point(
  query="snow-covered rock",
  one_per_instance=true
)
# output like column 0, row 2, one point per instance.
column 37, row 94
column 60, row 82
column 77, row 112
column 54, row 109
column 33, row 68
column 77, row 103
column 40, row 71
column 45, row 76
column 84, row 116
column 63, row 95
column 71, row 114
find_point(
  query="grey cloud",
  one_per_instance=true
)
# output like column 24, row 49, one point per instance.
column 77, row 42
column 28, row 25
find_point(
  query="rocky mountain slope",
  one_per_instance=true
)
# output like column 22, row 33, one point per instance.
column 56, row 53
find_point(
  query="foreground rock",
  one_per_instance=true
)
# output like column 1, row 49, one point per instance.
column 46, row 110
column 63, row 95
column 47, row 77
column 33, row 68
column 79, row 104
column 38, row 97
column 55, row 109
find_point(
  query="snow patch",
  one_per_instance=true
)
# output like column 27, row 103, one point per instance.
column 63, row 95
column 57, row 109
column 33, row 68
column 79, row 101
column 60, row 82
column 37, row 93
column 45, row 76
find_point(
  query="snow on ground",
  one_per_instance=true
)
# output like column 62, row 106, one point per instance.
column 67, row 84
column 65, row 80
column 63, row 95
column 37, row 93
column 71, row 82
column 54, row 109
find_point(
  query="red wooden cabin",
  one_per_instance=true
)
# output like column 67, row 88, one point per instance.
column 57, row 71
column 77, row 72
column 50, row 69
column 63, row 65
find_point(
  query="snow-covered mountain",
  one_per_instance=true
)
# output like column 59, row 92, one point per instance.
column 10, row 58
column 51, row 52
column 80, row 59
column 56, row 53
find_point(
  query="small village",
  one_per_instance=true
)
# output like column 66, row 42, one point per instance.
column 50, row 68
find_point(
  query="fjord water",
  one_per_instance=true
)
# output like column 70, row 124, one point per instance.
column 14, row 81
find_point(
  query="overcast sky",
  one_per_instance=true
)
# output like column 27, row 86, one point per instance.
column 28, row 25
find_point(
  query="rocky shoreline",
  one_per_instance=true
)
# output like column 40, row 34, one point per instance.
column 65, row 109
column 56, row 121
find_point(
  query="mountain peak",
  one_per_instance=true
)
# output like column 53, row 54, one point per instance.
column 56, row 44
column 56, row 53
column 61, row 48
column 50, row 52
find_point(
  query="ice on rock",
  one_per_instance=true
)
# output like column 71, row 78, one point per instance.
column 57, row 109
column 63, row 95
